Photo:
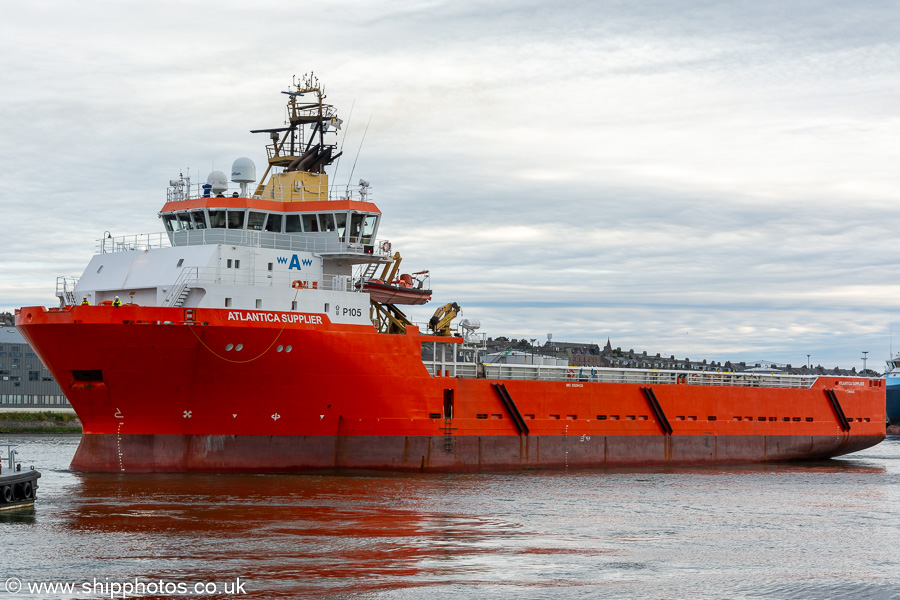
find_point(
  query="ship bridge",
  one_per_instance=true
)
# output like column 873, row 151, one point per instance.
column 293, row 207
column 337, row 229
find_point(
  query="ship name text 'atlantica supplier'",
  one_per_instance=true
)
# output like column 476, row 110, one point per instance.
column 275, row 317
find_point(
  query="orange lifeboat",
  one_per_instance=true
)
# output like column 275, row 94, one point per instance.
column 403, row 290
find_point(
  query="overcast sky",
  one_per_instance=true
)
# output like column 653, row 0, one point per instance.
column 707, row 179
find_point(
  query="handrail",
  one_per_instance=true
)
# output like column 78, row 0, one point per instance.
column 184, row 278
column 10, row 455
column 291, row 242
column 65, row 290
column 616, row 375
column 335, row 192
column 200, row 276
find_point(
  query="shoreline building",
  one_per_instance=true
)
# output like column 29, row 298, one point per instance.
column 588, row 355
column 25, row 383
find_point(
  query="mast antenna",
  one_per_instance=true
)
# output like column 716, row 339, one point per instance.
column 344, row 139
column 349, row 179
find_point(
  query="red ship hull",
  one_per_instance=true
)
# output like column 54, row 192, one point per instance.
column 157, row 391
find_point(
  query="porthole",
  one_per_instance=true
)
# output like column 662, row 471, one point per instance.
column 229, row 347
column 239, row 347
column 288, row 349
column 279, row 348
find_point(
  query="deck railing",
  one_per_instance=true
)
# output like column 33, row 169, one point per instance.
column 574, row 375
column 198, row 277
column 191, row 277
column 317, row 243
column 335, row 192
column 65, row 290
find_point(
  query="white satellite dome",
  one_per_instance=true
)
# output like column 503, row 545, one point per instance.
column 243, row 170
column 219, row 182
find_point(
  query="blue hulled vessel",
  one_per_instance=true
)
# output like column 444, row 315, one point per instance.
column 892, row 387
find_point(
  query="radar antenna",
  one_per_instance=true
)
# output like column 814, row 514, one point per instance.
column 300, row 145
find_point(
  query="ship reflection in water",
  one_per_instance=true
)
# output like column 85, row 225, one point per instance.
column 824, row 529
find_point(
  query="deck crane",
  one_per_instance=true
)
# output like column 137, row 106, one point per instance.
column 440, row 322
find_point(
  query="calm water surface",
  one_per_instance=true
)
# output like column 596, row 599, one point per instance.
column 817, row 530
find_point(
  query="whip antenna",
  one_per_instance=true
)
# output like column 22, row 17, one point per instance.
column 344, row 139
column 349, row 179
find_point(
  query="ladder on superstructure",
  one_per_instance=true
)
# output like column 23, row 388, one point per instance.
column 371, row 268
column 179, row 292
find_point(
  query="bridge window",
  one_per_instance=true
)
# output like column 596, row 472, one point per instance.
column 369, row 228
column 236, row 219
column 326, row 220
column 273, row 223
column 172, row 223
column 310, row 224
column 356, row 221
column 255, row 220
column 341, row 220
column 362, row 227
column 217, row 219
column 199, row 219
column 179, row 222
column 292, row 224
